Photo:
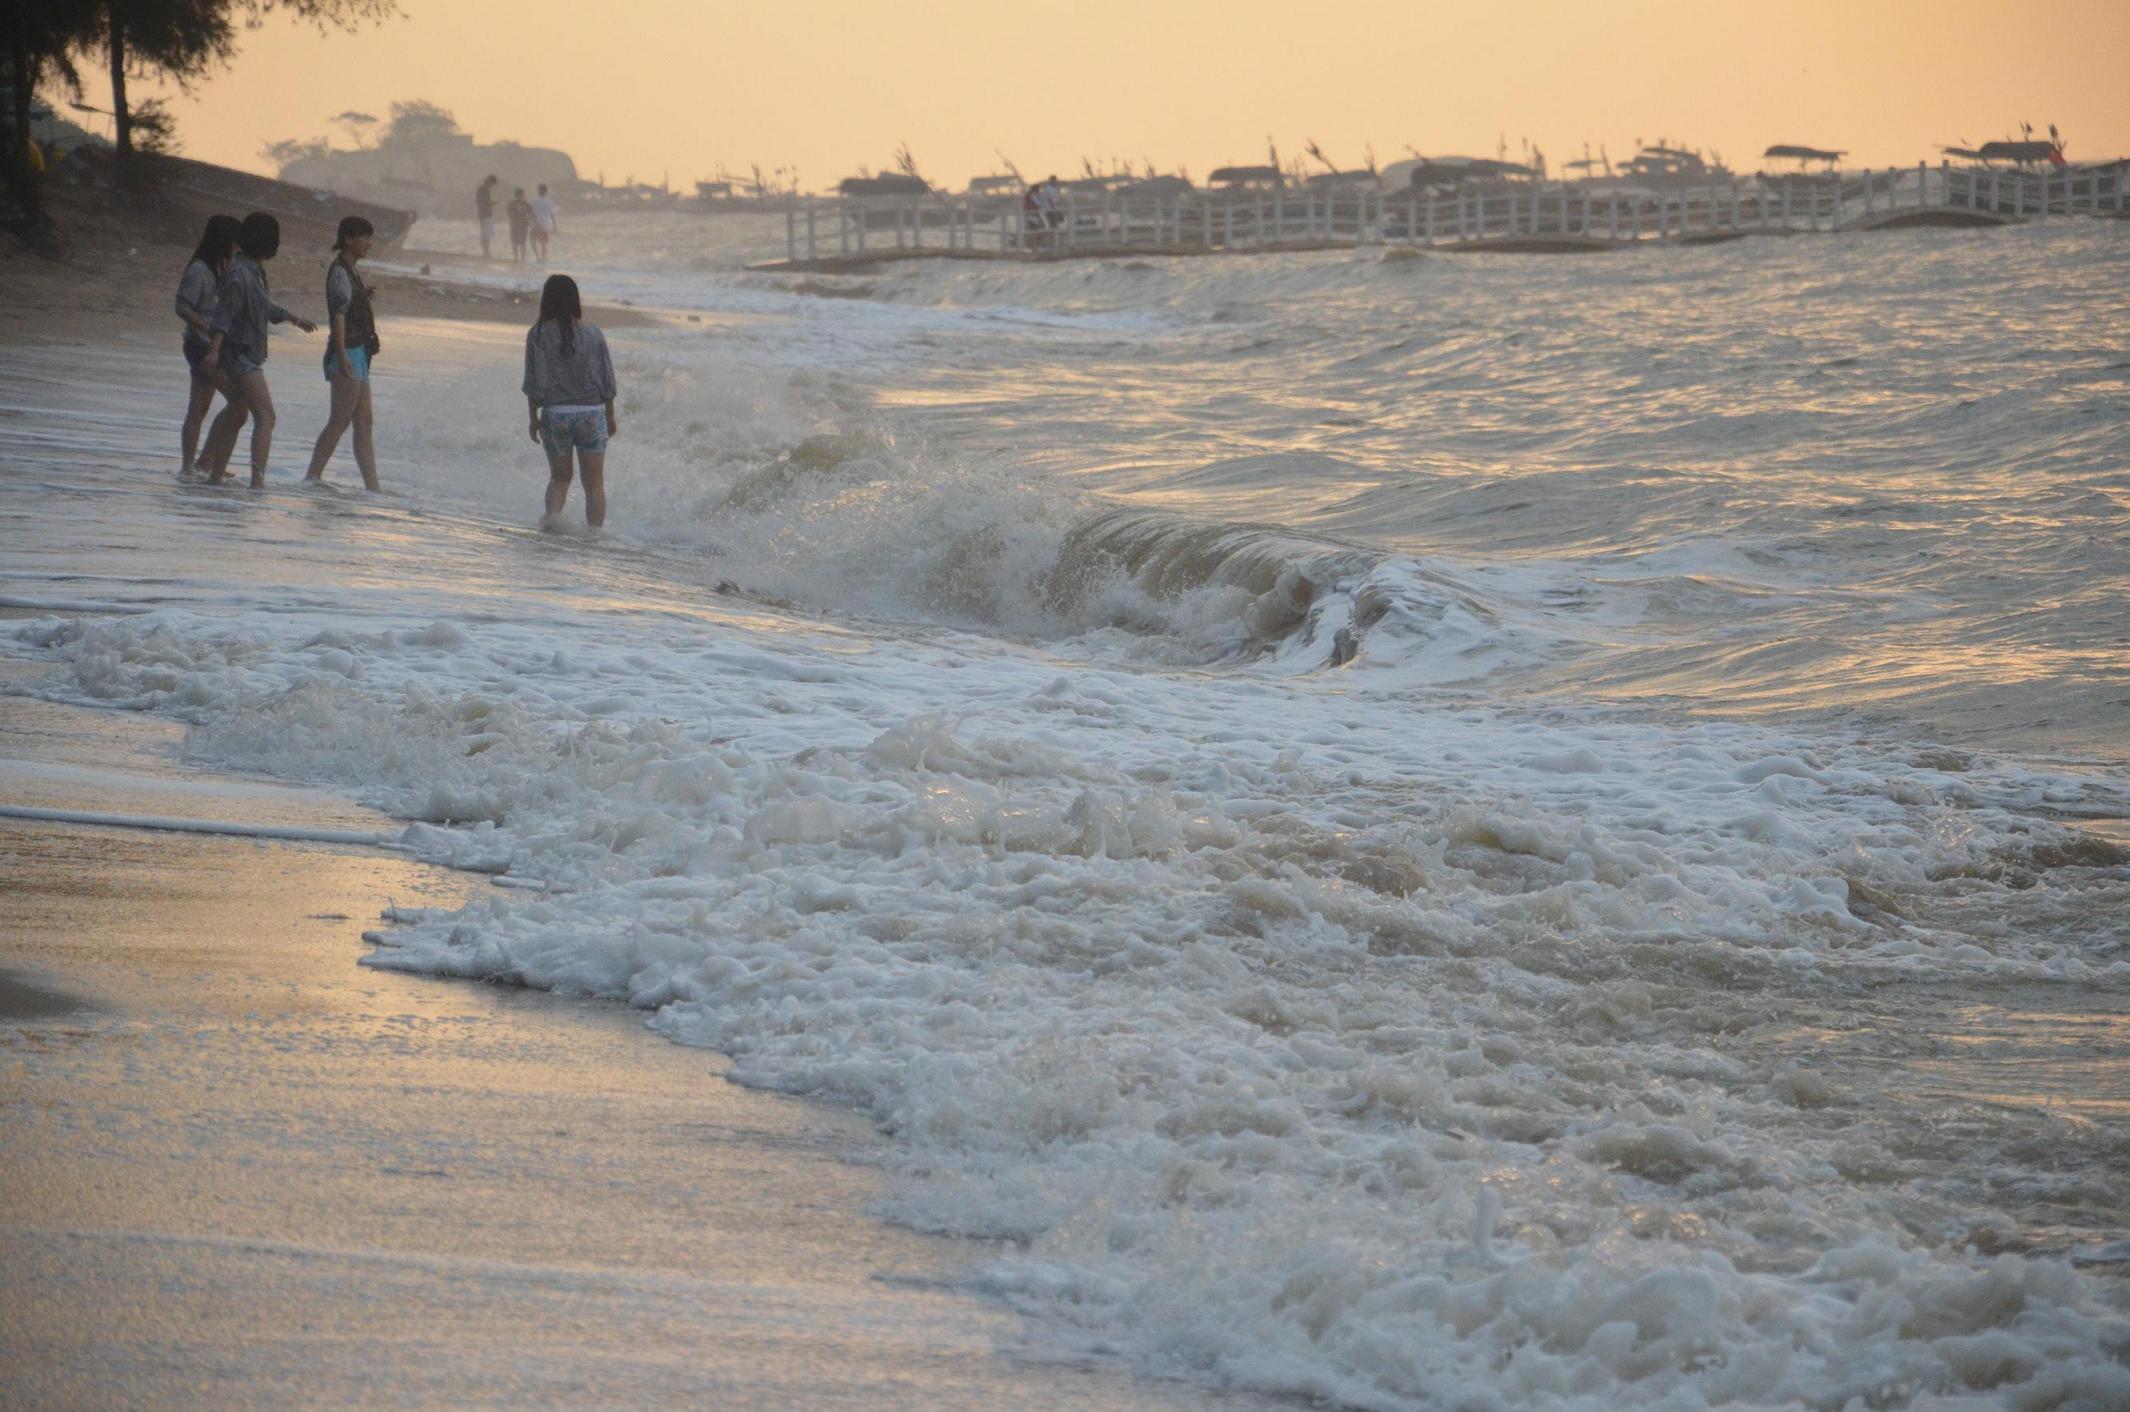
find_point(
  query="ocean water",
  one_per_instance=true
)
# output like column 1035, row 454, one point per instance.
column 1424, row 832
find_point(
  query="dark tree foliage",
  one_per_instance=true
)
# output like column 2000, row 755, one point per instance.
column 39, row 37
column 180, row 39
column 418, row 120
column 185, row 40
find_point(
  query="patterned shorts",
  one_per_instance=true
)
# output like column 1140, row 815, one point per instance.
column 562, row 431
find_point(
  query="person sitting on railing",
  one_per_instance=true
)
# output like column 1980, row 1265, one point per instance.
column 1033, row 226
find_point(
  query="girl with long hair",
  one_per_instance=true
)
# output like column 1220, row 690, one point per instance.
column 569, row 399
column 196, row 295
column 236, row 340
column 350, row 344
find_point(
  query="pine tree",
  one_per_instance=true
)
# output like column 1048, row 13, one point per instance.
column 185, row 40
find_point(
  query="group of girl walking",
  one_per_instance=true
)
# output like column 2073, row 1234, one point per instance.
column 226, row 305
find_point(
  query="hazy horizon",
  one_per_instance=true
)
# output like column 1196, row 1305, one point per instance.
column 661, row 92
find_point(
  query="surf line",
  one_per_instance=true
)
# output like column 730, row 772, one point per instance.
column 168, row 824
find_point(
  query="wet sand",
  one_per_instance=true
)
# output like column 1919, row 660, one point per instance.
column 239, row 1170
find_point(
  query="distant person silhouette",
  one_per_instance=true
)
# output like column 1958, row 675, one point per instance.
column 484, row 207
column 520, row 223
column 544, row 224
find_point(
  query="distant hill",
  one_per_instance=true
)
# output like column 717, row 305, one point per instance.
column 426, row 163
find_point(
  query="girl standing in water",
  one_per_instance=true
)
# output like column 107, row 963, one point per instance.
column 350, row 344
column 569, row 399
column 236, row 339
column 196, row 293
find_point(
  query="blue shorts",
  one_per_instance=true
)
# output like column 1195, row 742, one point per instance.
column 560, row 432
column 193, row 353
column 358, row 359
column 239, row 361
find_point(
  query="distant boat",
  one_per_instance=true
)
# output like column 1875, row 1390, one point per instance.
column 886, row 184
column 309, row 217
column 2023, row 154
column 1662, row 166
column 1420, row 175
column 1791, row 152
column 1237, row 180
column 996, row 187
column 1155, row 189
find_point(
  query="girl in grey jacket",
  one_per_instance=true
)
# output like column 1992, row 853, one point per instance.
column 569, row 399
column 237, row 333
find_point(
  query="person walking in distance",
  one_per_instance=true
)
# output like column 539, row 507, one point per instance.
column 569, row 400
column 350, row 344
column 544, row 225
column 484, row 208
column 236, row 335
column 520, row 215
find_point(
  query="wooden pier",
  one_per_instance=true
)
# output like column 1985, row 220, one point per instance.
column 851, row 233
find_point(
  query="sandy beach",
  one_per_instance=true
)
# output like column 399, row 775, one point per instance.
column 239, row 1171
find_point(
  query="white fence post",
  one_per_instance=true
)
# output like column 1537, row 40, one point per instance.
column 791, row 236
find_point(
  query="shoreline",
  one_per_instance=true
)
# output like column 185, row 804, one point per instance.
column 225, row 1137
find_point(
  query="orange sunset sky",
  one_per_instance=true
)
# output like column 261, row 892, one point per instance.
column 674, row 89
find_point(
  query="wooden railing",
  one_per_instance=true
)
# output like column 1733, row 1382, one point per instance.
column 1548, row 216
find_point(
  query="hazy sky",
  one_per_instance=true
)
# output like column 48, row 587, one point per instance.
column 678, row 88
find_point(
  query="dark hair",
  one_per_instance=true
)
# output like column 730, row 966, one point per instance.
column 543, row 188
column 259, row 236
column 351, row 228
column 559, row 301
column 217, row 241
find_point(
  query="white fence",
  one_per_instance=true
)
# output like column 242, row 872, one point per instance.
column 1564, row 216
